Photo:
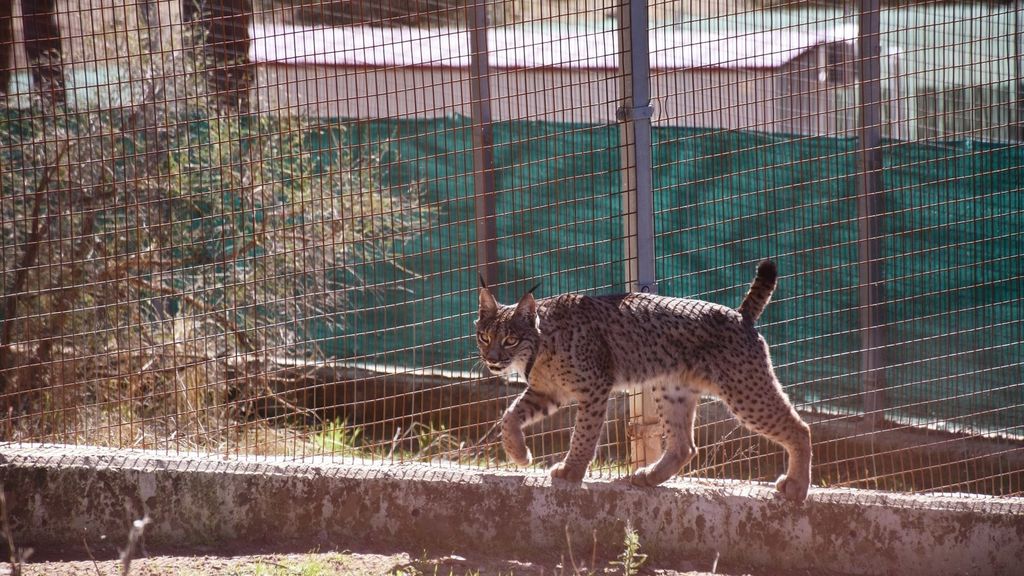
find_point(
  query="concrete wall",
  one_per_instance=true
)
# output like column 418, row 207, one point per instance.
column 58, row 495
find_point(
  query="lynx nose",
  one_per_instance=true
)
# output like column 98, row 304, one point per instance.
column 492, row 354
column 493, row 357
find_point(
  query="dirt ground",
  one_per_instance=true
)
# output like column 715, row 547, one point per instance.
column 253, row 563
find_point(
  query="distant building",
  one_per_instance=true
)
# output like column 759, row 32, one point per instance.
column 767, row 80
column 947, row 72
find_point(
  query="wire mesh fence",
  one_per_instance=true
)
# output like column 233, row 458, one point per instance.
column 255, row 227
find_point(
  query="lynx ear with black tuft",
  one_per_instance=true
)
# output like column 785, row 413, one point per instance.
column 535, row 286
column 488, row 305
column 527, row 305
column 482, row 283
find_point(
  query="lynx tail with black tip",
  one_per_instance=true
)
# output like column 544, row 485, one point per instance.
column 760, row 292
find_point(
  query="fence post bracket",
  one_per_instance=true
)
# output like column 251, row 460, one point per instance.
column 632, row 113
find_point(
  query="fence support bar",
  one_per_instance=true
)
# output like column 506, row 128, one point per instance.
column 634, row 116
column 870, row 212
column 1017, row 129
column 483, row 144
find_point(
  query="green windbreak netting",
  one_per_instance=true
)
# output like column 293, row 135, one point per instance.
column 724, row 200
column 951, row 260
column 558, row 222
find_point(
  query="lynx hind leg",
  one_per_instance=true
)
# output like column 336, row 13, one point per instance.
column 760, row 404
column 677, row 410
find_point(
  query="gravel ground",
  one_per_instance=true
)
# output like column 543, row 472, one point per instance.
column 264, row 565
column 253, row 563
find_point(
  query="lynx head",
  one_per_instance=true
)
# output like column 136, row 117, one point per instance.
column 507, row 336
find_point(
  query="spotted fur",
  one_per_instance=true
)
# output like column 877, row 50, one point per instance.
column 582, row 348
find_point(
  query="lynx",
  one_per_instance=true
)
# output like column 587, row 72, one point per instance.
column 582, row 348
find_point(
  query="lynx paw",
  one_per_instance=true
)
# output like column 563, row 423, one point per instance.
column 516, row 449
column 562, row 471
column 643, row 478
column 791, row 488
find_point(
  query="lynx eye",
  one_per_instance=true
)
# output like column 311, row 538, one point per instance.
column 483, row 338
column 510, row 341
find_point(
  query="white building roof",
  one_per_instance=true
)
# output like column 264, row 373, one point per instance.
column 534, row 46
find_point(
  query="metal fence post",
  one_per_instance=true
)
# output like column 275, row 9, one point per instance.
column 1017, row 128
column 483, row 143
column 870, row 214
column 634, row 116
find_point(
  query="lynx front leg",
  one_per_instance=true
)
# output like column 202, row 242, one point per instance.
column 677, row 409
column 589, row 419
column 528, row 408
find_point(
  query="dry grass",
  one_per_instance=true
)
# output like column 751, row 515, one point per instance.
column 151, row 249
column 17, row 555
column 129, row 305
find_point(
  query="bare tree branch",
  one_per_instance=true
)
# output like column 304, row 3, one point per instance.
column 28, row 261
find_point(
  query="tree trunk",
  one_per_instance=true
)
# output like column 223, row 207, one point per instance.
column 6, row 44
column 226, row 23
column 43, row 47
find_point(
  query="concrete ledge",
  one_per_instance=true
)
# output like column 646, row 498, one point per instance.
column 57, row 495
